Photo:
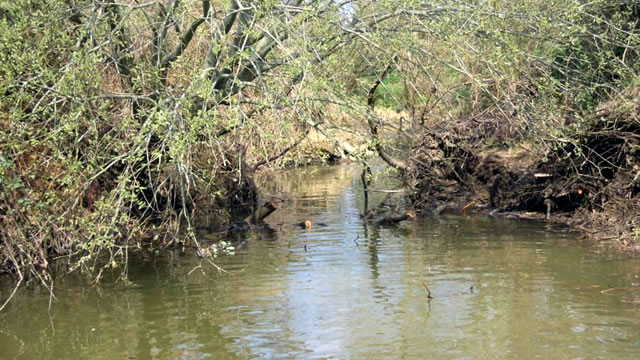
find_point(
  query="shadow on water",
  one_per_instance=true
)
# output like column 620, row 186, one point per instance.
column 501, row 289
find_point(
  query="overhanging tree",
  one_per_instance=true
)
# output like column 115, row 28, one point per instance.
column 120, row 112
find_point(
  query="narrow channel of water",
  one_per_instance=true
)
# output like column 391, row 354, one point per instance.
column 501, row 289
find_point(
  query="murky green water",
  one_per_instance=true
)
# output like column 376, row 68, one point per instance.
column 502, row 289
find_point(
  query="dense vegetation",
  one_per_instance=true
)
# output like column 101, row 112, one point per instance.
column 126, row 122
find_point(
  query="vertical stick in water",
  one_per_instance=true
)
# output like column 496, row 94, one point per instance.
column 366, row 171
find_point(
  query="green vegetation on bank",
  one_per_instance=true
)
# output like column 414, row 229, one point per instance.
column 126, row 123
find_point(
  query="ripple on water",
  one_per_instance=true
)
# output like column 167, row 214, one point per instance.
column 501, row 289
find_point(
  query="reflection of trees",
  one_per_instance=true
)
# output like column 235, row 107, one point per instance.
column 306, row 193
column 369, row 295
column 372, row 237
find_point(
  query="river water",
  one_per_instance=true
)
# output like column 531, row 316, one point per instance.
column 502, row 289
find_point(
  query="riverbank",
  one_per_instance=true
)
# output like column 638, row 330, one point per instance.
column 345, row 290
column 584, row 173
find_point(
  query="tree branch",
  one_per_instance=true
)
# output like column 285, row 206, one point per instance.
column 225, row 27
column 371, row 101
column 255, row 166
column 187, row 36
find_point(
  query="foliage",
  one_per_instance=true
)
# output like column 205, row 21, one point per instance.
column 127, row 116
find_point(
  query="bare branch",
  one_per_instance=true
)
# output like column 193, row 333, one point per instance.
column 187, row 36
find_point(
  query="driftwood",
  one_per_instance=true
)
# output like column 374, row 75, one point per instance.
column 261, row 213
column 394, row 217
column 254, row 219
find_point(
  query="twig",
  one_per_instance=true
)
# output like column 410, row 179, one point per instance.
column 255, row 166
column 424, row 283
column 464, row 208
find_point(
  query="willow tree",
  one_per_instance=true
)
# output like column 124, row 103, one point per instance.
column 121, row 114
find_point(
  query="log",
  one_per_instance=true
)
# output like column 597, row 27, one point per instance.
column 262, row 212
column 395, row 217
column 438, row 210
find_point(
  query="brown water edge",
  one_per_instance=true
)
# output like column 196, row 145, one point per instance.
column 501, row 289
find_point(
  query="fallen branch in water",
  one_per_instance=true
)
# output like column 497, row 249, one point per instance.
column 424, row 283
column 395, row 218
column 263, row 211
column 464, row 208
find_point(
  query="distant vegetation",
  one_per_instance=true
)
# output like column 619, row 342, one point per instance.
column 124, row 121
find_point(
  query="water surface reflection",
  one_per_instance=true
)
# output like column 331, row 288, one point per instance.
column 502, row 289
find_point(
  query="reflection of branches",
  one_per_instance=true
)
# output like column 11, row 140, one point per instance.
column 188, row 74
column 424, row 283
column 20, row 352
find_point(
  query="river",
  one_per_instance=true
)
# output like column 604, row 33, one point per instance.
column 501, row 289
